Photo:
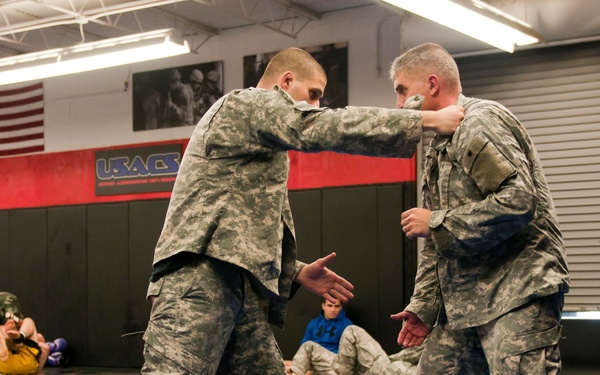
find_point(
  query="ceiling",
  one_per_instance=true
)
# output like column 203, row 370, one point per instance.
column 35, row 25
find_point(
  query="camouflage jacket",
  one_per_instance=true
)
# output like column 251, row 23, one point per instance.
column 495, row 242
column 230, row 198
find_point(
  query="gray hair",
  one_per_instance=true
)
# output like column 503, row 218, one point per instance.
column 428, row 58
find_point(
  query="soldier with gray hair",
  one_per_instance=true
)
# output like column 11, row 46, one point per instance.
column 492, row 272
column 225, row 263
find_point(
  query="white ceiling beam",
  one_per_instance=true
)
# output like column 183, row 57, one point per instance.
column 294, row 20
column 73, row 17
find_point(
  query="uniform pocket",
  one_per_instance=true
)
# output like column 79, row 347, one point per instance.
column 154, row 288
column 486, row 164
column 519, row 344
column 527, row 353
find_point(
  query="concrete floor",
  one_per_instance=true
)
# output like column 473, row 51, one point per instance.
column 580, row 371
column 567, row 370
column 90, row 370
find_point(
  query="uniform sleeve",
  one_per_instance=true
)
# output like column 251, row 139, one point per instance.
column 281, row 123
column 488, row 153
column 298, row 266
column 295, row 285
column 425, row 301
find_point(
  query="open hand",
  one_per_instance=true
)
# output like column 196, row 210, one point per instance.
column 319, row 279
column 413, row 332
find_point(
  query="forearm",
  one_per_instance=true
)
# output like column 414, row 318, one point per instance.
column 368, row 131
column 478, row 227
column 28, row 328
column 429, row 120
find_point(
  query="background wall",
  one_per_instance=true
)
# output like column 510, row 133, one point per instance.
column 91, row 110
column 87, row 265
column 81, row 270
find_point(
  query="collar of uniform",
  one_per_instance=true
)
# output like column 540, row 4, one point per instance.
column 440, row 142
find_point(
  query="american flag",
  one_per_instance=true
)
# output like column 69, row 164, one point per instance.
column 21, row 119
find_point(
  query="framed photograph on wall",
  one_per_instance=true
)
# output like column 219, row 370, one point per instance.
column 334, row 59
column 174, row 97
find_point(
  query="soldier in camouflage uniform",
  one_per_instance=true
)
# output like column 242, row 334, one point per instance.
column 225, row 264
column 493, row 270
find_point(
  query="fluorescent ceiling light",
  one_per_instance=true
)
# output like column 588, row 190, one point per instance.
column 475, row 19
column 582, row 315
column 91, row 56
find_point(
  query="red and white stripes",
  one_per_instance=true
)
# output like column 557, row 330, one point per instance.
column 21, row 119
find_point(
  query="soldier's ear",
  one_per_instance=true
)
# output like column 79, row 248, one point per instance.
column 433, row 82
column 285, row 80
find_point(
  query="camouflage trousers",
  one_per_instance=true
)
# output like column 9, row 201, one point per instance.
column 522, row 341
column 206, row 318
column 314, row 357
column 359, row 354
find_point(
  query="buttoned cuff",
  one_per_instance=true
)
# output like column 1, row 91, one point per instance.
column 427, row 311
column 298, row 267
column 437, row 218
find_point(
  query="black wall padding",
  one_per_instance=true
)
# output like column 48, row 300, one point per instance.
column 306, row 207
column 81, row 272
column 362, row 225
column 146, row 220
column 28, row 257
column 350, row 229
column 107, row 284
column 4, row 250
column 67, row 279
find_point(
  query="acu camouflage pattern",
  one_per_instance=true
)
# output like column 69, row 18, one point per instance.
column 495, row 243
column 404, row 362
column 196, row 312
column 314, row 357
column 230, row 198
column 495, row 248
column 359, row 354
column 525, row 341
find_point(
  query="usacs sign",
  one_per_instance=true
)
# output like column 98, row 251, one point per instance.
column 137, row 170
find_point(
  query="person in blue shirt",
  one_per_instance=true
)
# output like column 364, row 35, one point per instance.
column 321, row 341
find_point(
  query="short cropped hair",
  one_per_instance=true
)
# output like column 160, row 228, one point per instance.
column 428, row 58
column 297, row 60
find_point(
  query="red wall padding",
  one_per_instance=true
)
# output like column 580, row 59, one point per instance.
column 66, row 178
